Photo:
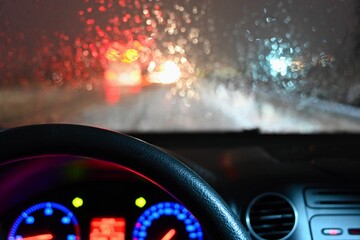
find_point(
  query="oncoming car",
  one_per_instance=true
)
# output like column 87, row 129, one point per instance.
column 179, row 119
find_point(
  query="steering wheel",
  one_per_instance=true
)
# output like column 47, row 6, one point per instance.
column 135, row 155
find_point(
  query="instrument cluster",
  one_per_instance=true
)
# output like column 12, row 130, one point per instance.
column 101, row 210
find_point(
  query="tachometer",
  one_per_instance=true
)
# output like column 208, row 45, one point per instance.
column 167, row 221
column 45, row 221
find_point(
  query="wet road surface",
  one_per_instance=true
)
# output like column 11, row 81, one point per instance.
column 157, row 108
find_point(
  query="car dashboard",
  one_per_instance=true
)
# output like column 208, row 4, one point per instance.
column 280, row 187
column 68, row 197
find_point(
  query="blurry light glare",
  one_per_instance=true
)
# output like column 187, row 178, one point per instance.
column 112, row 54
column 130, row 55
column 279, row 65
column 77, row 202
column 110, row 75
column 140, row 202
column 131, row 78
column 169, row 73
column 151, row 66
column 123, row 74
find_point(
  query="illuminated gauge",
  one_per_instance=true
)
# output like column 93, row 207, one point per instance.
column 45, row 221
column 167, row 221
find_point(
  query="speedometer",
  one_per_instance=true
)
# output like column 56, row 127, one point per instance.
column 167, row 221
column 45, row 221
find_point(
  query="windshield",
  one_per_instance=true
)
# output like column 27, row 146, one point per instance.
column 184, row 65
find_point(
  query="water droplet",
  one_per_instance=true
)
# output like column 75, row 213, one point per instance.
column 306, row 45
column 274, row 46
column 287, row 20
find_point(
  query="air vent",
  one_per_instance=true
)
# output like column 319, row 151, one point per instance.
column 332, row 198
column 271, row 216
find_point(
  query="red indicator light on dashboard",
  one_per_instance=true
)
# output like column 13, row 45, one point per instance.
column 332, row 231
column 354, row 231
column 107, row 228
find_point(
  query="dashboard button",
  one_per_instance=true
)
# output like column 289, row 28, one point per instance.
column 332, row 231
column 354, row 231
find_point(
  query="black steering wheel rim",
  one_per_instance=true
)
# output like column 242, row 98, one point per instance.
column 154, row 164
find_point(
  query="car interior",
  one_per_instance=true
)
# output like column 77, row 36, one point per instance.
column 179, row 120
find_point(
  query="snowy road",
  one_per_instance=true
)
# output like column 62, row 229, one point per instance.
column 217, row 108
column 157, row 108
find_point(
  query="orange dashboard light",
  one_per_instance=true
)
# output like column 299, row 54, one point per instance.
column 107, row 228
column 39, row 237
column 169, row 235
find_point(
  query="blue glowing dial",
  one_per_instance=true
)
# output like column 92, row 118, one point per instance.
column 46, row 220
column 167, row 220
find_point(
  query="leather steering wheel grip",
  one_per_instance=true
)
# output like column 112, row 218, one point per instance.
column 218, row 221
